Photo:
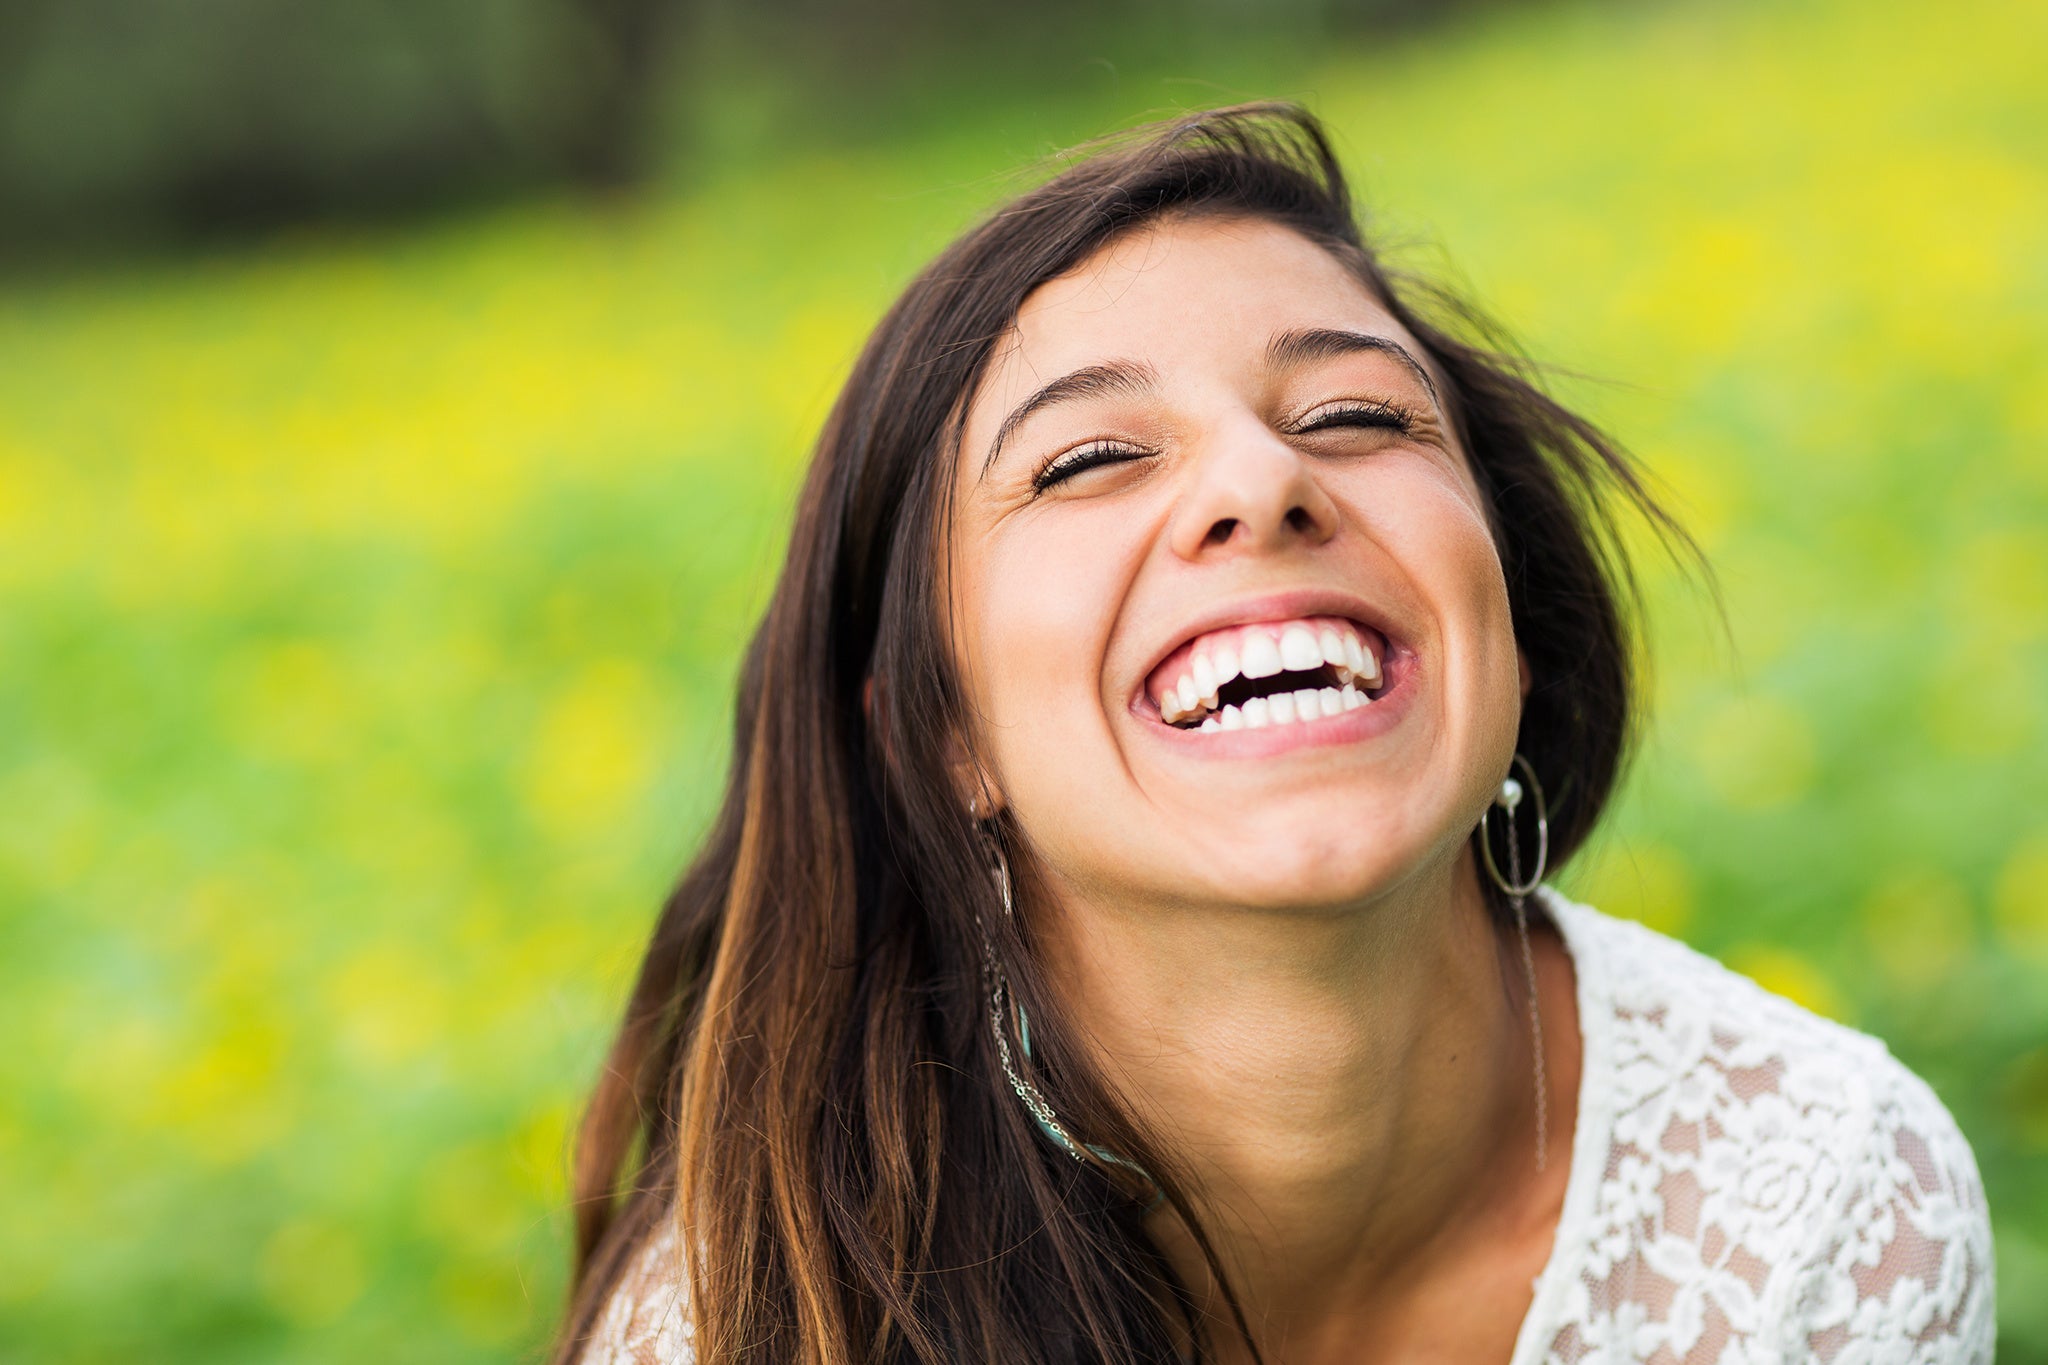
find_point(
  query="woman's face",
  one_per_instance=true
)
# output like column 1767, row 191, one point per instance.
column 1229, row 618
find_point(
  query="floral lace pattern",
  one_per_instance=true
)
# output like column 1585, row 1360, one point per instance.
column 645, row 1322
column 1750, row 1183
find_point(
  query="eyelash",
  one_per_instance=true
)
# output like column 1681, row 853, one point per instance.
column 1364, row 413
column 1069, row 463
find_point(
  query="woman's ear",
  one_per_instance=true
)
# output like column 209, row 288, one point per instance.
column 1522, row 666
column 979, row 795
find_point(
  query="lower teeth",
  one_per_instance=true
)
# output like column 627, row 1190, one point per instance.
column 1284, row 708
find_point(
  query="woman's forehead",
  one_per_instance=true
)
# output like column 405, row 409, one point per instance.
column 1234, row 254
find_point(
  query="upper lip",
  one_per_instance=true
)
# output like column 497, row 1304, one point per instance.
column 1275, row 606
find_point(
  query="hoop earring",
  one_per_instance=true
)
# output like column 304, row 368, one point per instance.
column 1000, row 1002
column 1517, row 890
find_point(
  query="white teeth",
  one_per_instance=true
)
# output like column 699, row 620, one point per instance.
column 1261, row 656
column 1370, row 669
column 1261, row 652
column 1299, row 651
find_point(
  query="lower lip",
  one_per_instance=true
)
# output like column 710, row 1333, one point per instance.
column 1349, row 727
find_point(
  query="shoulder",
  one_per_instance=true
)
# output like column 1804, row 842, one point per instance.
column 646, row 1321
column 1781, row 1167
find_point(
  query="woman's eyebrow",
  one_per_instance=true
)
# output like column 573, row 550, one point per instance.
column 1115, row 376
column 1307, row 344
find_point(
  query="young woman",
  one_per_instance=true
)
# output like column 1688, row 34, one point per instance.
column 1122, row 939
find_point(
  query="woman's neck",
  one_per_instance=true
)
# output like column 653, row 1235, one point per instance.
column 1349, row 1092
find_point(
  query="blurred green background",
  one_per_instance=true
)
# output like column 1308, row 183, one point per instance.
column 374, row 563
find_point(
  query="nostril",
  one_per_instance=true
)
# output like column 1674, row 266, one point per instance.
column 1221, row 532
column 1298, row 519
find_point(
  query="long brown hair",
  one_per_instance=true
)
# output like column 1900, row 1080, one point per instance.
column 805, row 1079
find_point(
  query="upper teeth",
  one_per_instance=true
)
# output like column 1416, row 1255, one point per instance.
column 1260, row 651
column 1299, row 650
column 1261, row 656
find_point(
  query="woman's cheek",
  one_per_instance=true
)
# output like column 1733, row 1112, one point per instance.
column 1041, row 626
column 1491, row 693
column 1430, row 521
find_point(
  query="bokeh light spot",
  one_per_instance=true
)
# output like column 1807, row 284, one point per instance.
column 471, row 1200
column 388, row 1006
column 485, row 1299
column 595, row 750
column 1982, row 700
column 1646, row 882
column 1783, row 972
column 1755, row 752
column 312, row 1272
column 2020, row 902
column 1919, row 925
column 2026, row 1097
column 292, row 700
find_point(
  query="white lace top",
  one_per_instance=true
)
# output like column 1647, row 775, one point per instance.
column 1750, row 1183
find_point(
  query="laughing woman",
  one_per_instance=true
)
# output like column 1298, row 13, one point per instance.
column 1123, row 938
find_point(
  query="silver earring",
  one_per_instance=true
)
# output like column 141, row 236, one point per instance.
column 1000, row 1003
column 1517, row 890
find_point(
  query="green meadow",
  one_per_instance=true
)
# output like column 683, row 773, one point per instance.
column 370, row 599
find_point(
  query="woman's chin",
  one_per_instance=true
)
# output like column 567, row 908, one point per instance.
column 1321, row 868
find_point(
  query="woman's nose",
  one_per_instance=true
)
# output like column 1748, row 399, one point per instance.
column 1251, row 491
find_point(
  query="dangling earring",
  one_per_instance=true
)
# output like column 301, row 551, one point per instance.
column 1001, row 1003
column 1517, row 890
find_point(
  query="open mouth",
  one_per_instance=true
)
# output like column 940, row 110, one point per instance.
column 1270, row 673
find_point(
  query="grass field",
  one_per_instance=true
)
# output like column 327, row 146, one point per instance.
column 368, row 607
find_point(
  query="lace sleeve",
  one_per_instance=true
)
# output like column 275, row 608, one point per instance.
column 646, row 1322
column 1906, row 1275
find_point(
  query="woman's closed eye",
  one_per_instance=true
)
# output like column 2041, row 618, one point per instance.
column 1360, row 412
column 1068, row 463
